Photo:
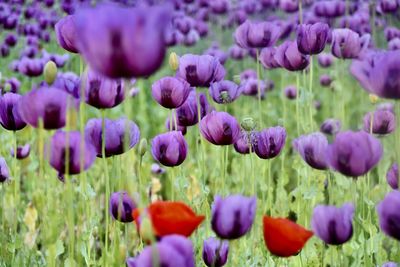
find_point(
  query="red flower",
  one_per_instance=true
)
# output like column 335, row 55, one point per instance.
column 171, row 218
column 283, row 237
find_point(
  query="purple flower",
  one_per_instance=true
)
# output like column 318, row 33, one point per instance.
column 115, row 131
column 130, row 42
column 312, row 148
column 10, row 116
column 248, row 74
column 242, row 145
column 250, row 87
column 11, row 39
column 22, row 151
column 220, row 128
column 66, row 33
column 333, row 225
column 4, row 171
column 200, row 70
column 325, row 60
column 325, row 80
column 30, row 67
column 291, row 92
column 233, row 216
column 215, row 252
column 46, row 104
column 56, row 152
column 157, row 169
column 169, row 149
column 329, row 9
column 389, row 214
column 389, row 6
column 14, row 85
column 347, row 43
column 289, row 57
column 69, row 82
column 394, row 44
column 236, row 52
column 270, row 142
column 379, row 73
column 354, row 153
column 392, row 176
column 256, row 34
column 267, row 58
column 102, row 92
column 389, row 264
column 170, row 92
column 172, row 250
column 187, row 114
column 174, row 127
column 383, row 122
column 122, row 206
column 289, row 6
column 224, row 92
column 312, row 38
column 331, row 126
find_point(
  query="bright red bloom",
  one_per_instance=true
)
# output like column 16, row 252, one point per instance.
column 283, row 237
column 170, row 217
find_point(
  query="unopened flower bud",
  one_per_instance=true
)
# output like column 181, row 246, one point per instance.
column 143, row 147
column 373, row 98
column 236, row 79
column 50, row 72
column 173, row 61
column 146, row 230
column 248, row 124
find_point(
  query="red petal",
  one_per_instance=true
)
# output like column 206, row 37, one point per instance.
column 283, row 237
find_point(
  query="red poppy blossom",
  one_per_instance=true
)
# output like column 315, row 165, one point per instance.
column 283, row 237
column 170, row 217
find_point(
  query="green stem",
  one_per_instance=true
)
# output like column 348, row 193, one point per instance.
column 107, row 184
column 259, row 88
column 311, row 93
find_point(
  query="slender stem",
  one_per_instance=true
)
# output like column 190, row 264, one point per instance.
column 300, row 11
column 16, row 187
column 311, row 93
column 201, row 139
column 259, row 88
column 298, row 103
column 397, row 134
column 107, row 183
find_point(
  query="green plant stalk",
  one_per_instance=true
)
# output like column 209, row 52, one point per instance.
column 311, row 93
column 259, row 88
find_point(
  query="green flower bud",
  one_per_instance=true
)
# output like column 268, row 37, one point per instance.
column 50, row 72
column 173, row 61
column 248, row 124
column 143, row 147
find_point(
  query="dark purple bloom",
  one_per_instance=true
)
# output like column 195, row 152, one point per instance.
column 69, row 82
column 256, row 35
column 390, row 264
column 10, row 117
column 389, row 6
column 225, row 92
column 233, row 216
column 188, row 113
column 312, row 148
column 389, row 214
column 30, row 67
column 347, row 43
column 11, row 39
column 391, row 33
column 102, row 92
column 157, row 169
column 46, row 104
column 215, row 252
column 218, row 53
column 4, row 50
column 270, row 142
column 14, row 85
column 392, row 176
column 172, row 127
column 289, row 57
column 291, row 92
column 333, row 225
column 325, row 80
column 329, row 9
column 170, row 92
column 115, row 135
column 169, row 149
column 248, row 74
column 242, row 145
column 237, row 53
column 130, row 42
column 66, row 33
column 354, row 153
column 219, row 6
column 311, row 38
column 22, row 151
column 325, row 60
column 289, row 6
column 122, row 206
column 4, row 171
column 331, row 126
column 200, row 70
column 56, row 152
column 220, row 128
column 250, row 87
column 267, row 58
column 383, row 122
column 394, row 44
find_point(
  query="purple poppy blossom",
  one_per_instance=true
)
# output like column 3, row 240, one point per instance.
column 325, row 80
column 13, row 85
column 391, row 33
column 256, row 35
column 170, row 92
column 347, row 43
column 102, row 92
column 187, row 114
column 389, row 6
column 331, row 126
column 224, row 92
column 172, row 127
column 270, row 142
column 46, row 104
column 291, row 92
column 389, row 214
column 157, row 169
column 354, row 153
column 4, row 171
column 220, row 128
column 383, row 122
column 289, row 6
column 4, row 50
column 68, row 82
column 218, row 53
column 312, row 148
column 237, row 53
column 248, row 74
column 130, row 43
column 289, row 57
column 10, row 116
column 325, row 60
column 122, row 206
column 215, row 252
column 250, row 87
column 333, row 225
column 394, row 44
column 200, row 70
column 390, row 264
column 329, row 9
column 11, row 39
column 244, row 143
column 392, row 176
column 169, row 149
column 22, row 151
column 219, row 6
column 267, row 58
column 115, row 131
column 56, row 152
column 30, row 67
column 233, row 216
column 66, row 33
column 312, row 38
